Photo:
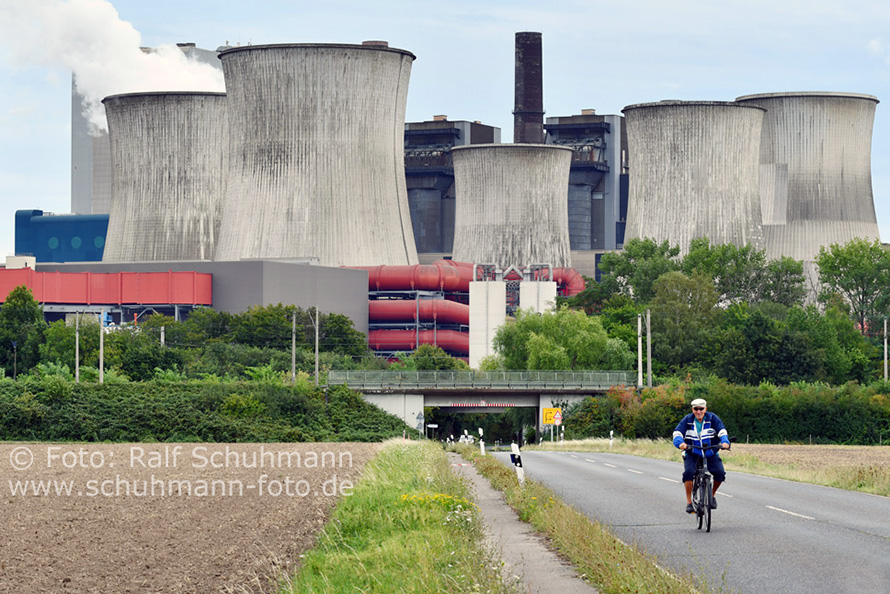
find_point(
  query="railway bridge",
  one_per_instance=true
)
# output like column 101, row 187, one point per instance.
column 406, row 393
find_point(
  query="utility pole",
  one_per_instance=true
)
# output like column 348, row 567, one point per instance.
column 77, row 347
column 885, row 349
column 102, row 346
column 316, row 346
column 639, row 350
column 648, row 349
column 293, row 348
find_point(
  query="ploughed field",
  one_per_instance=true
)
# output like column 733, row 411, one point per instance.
column 165, row 517
column 817, row 457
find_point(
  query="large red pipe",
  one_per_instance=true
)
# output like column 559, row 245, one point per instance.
column 448, row 275
column 407, row 340
column 440, row 310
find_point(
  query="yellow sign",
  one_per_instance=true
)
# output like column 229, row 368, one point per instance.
column 549, row 414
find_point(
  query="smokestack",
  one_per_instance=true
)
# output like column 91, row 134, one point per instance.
column 528, row 113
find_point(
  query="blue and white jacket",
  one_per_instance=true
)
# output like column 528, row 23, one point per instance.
column 712, row 427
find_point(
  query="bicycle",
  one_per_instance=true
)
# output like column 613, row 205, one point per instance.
column 702, row 487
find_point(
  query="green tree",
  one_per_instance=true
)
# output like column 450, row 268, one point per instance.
column 784, row 282
column 21, row 331
column 635, row 269
column 684, row 314
column 858, row 271
column 738, row 273
column 59, row 344
column 563, row 339
column 428, row 357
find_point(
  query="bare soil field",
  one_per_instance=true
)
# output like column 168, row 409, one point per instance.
column 165, row 518
column 816, row 457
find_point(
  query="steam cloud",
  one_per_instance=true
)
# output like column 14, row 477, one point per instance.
column 89, row 38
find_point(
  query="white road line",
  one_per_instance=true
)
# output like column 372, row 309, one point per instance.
column 573, row 455
column 725, row 494
column 790, row 513
column 589, row 460
column 609, row 465
column 664, row 478
column 634, row 471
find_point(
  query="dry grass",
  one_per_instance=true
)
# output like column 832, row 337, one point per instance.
column 856, row 468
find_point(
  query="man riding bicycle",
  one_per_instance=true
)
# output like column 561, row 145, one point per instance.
column 699, row 428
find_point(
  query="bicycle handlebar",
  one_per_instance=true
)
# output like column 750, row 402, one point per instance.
column 719, row 446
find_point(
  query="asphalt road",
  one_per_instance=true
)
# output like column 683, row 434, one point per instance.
column 767, row 535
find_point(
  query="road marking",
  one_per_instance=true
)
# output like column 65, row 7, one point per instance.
column 609, row 465
column 589, row 460
column 725, row 494
column 664, row 478
column 634, row 471
column 790, row 513
column 573, row 455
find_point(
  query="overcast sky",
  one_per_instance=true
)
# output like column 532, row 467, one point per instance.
column 600, row 54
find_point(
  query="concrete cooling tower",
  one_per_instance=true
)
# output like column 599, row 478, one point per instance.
column 511, row 204
column 694, row 172
column 317, row 154
column 168, row 157
column 815, row 161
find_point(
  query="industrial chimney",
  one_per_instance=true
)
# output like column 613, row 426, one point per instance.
column 528, row 113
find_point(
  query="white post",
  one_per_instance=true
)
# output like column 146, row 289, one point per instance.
column 293, row 349
column 316, row 346
column 77, row 347
column 101, row 346
column 639, row 350
column 611, row 434
column 163, row 337
column 648, row 349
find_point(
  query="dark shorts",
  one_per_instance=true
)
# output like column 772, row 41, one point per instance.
column 715, row 467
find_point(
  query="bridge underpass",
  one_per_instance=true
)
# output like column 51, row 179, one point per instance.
column 406, row 393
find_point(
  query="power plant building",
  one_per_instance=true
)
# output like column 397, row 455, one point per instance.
column 429, row 174
column 511, row 204
column 317, row 154
column 694, row 172
column 815, row 171
column 597, row 195
column 168, row 152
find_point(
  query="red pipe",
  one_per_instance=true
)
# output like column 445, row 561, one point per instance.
column 443, row 311
column 568, row 281
column 448, row 276
column 406, row 340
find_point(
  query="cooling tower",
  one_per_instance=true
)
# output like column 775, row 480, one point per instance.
column 511, row 204
column 815, row 162
column 317, row 154
column 694, row 172
column 168, row 157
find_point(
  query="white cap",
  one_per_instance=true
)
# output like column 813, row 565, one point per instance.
column 700, row 402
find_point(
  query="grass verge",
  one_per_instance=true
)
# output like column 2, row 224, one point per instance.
column 598, row 555
column 409, row 526
column 854, row 468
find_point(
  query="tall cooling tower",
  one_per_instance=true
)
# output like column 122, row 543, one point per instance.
column 511, row 204
column 694, row 172
column 168, row 157
column 317, row 154
column 815, row 171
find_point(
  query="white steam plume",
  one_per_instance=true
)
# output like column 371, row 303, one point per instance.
column 103, row 52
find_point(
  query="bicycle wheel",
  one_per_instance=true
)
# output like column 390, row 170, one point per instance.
column 707, row 494
column 697, row 502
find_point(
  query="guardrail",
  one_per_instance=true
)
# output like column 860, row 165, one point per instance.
column 595, row 380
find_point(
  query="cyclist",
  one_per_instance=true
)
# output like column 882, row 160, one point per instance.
column 701, row 428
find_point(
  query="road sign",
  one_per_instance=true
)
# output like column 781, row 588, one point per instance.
column 557, row 419
column 549, row 413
